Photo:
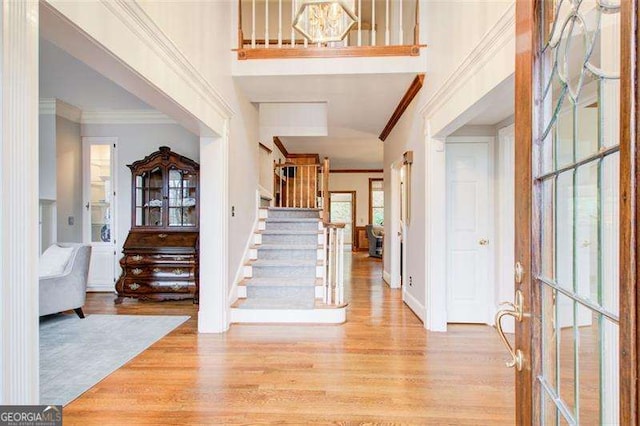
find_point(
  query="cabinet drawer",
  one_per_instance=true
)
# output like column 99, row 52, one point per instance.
column 146, row 287
column 135, row 259
column 161, row 271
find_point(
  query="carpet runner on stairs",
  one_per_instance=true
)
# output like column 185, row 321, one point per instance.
column 283, row 281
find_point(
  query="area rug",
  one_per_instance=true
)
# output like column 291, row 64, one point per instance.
column 75, row 353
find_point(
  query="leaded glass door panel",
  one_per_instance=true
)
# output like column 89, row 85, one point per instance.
column 571, row 112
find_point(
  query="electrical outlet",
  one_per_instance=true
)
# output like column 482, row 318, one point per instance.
column 410, row 281
column 71, row 220
column 233, row 211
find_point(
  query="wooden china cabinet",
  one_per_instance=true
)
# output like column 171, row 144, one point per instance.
column 160, row 259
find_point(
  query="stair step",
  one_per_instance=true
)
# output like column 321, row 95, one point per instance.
column 284, row 262
column 286, row 247
column 292, row 219
column 277, row 304
column 281, row 282
column 292, row 209
column 288, row 232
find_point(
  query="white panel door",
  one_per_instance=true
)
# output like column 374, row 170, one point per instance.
column 468, row 244
column 99, row 159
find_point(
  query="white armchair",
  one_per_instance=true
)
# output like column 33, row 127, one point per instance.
column 67, row 290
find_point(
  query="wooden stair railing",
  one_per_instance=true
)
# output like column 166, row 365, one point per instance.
column 333, row 263
column 302, row 186
column 399, row 33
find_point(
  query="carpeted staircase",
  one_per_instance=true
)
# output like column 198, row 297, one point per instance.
column 283, row 279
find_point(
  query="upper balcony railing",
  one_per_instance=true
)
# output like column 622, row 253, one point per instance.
column 271, row 29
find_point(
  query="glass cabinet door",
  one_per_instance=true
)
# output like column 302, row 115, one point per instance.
column 182, row 198
column 149, row 198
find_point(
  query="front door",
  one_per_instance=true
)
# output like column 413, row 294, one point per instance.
column 99, row 210
column 468, row 211
column 576, row 220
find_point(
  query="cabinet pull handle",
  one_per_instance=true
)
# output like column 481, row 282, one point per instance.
column 134, row 286
column 162, row 236
column 156, row 270
column 136, row 258
column 136, row 271
column 178, row 271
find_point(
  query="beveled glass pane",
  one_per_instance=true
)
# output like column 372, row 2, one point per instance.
column 175, row 216
column 549, row 336
column 175, row 178
column 587, row 116
column 609, row 104
column 548, row 228
column 610, row 231
column 566, row 350
column 564, row 153
column 549, row 411
column 610, row 381
column 586, row 231
column 564, row 231
column 589, row 366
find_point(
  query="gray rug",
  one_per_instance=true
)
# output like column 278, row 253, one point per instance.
column 75, row 353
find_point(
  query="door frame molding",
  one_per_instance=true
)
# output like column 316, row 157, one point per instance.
column 394, row 280
column 19, row 330
column 490, row 301
column 629, row 214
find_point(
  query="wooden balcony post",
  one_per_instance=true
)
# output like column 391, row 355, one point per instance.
column 325, row 190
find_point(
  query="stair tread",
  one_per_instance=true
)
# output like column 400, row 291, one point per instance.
column 288, row 232
column 281, row 281
column 285, row 262
column 292, row 219
column 291, row 209
column 276, row 304
column 286, row 246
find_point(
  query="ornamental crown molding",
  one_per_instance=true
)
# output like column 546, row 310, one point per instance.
column 493, row 40
column 68, row 111
column 47, row 106
column 52, row 106
column 125, row 117
column 140, row 23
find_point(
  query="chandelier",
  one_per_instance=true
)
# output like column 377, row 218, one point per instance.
column 323, row 21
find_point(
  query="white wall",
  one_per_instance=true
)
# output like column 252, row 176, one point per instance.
column 47, row 155
column 69, row 180
column 203, row 31
column 136, row 141
column 464, row 64
column 407, row 136
column 358, row 182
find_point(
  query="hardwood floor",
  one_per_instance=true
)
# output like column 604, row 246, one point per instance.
column 382, row 366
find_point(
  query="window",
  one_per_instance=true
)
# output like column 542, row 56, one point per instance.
column 376, row 201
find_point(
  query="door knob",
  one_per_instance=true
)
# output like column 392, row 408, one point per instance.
column 483, row 242
column 513, row 310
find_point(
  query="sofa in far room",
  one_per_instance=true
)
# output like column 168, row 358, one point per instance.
column 376, row 239
column 64, row 270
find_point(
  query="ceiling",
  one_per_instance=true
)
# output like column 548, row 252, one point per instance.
column 65, row 78
column 359, row 107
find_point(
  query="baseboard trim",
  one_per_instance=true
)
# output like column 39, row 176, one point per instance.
column 105, row 288
column 386, row 277
column 413, row 304
column 289, row 316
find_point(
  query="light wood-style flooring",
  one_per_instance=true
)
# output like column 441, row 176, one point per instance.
column 382, row 366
